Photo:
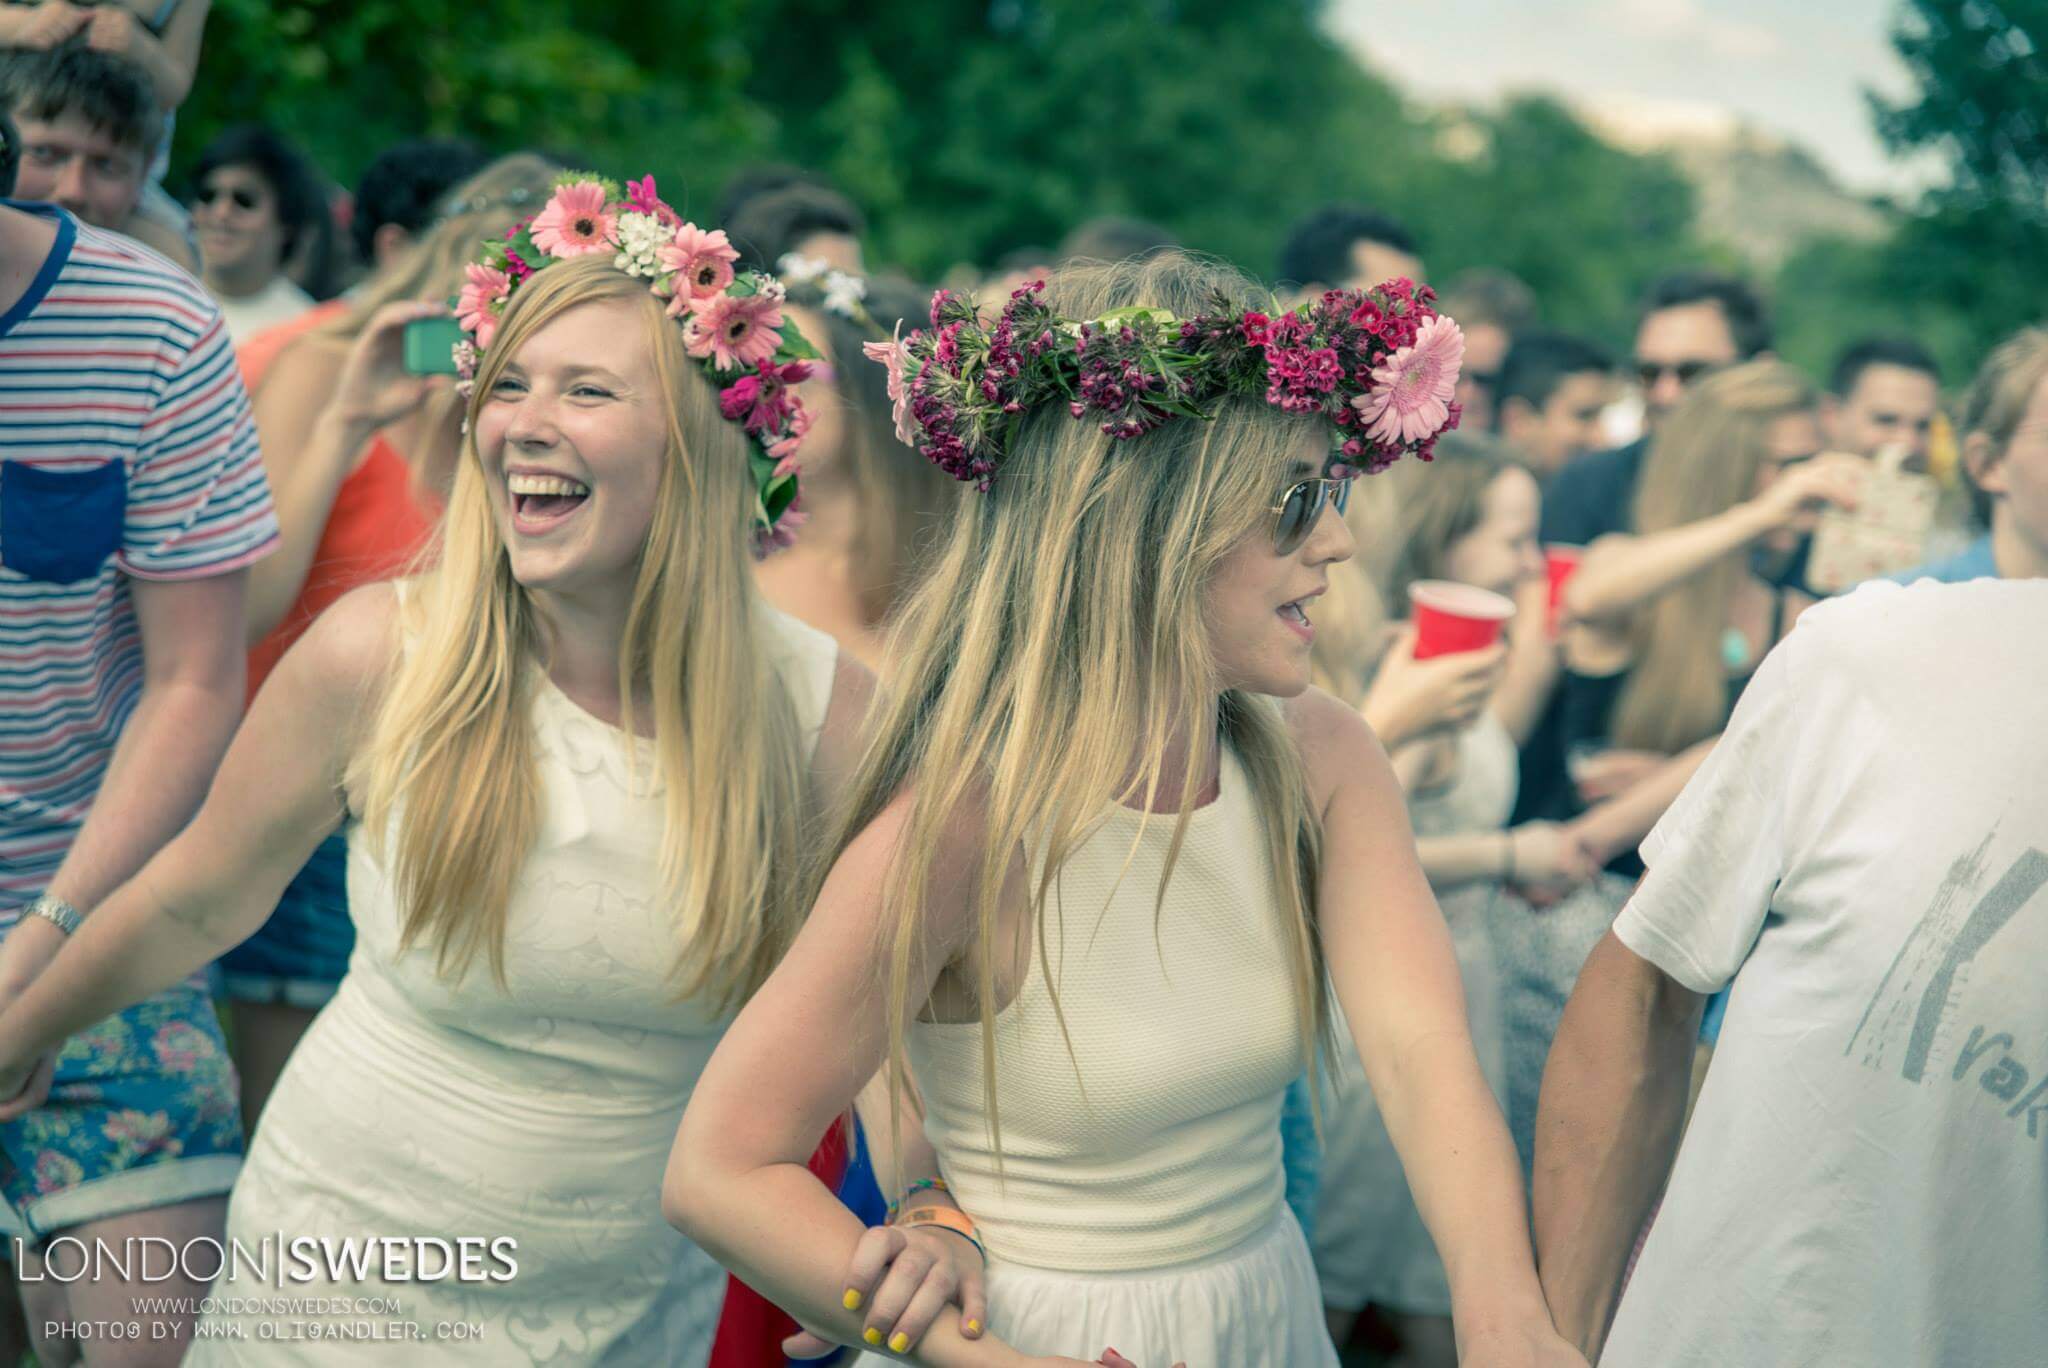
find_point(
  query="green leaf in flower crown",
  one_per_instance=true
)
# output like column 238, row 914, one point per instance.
column 795, row 346
column 776, row 498
column 605, row 183
column 1136, row 313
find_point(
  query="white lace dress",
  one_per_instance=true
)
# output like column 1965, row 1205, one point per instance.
column 540, row 1112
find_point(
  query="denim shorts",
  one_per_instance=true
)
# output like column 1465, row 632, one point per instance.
column 143, row 1112
column 301, row 952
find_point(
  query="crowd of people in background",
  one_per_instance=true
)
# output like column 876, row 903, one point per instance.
column 231, row 509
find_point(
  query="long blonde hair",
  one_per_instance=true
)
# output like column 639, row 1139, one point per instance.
column 1702, row 462
column 452, row 745
column 1068, row 602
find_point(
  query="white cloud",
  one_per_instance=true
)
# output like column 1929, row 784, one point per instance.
column 1687, row 23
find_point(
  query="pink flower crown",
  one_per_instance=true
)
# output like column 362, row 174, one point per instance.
column 732, row 323
column 1381, row 365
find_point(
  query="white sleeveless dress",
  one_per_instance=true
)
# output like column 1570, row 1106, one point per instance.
column 542, row 1112
column 1140, row 1204
column 1370, row 1243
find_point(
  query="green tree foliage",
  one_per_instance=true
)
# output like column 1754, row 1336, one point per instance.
column 965, row 131
column 656, row 85
column 1981, row 97
column 1967, row 267
column 1586, row 225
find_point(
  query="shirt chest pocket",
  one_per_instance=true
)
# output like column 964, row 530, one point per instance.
column 60, row 526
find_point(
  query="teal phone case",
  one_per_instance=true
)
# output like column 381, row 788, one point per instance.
column 430, row 346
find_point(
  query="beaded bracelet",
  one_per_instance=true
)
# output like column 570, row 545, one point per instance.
column 921, row 1185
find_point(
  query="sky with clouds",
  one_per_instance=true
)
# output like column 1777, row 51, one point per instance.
column 1794, row 69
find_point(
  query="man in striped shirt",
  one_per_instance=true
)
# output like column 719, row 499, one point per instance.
column 132, row 502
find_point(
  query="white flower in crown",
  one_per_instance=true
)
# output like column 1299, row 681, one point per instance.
column 641, row 238
column 773, row 289
column 843, row 293
column 801, row 270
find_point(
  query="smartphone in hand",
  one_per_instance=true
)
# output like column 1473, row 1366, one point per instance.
column 430, row 346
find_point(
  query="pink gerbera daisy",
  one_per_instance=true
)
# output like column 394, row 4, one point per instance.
column 576, row 222
column 735, row 332
column 702, row 262
column 476, row 307
column 892, row 355
column 1411, row 395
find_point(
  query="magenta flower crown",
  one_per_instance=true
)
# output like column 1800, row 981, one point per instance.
column 732, row 323
column 1381, row 365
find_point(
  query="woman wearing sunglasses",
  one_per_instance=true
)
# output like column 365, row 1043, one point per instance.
column 255, row 199
column 1104, row 850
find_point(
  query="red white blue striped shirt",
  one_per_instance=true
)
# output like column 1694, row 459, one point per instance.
column 127, row 449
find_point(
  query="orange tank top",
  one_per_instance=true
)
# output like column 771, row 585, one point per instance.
column 255, row 355
column 378, row 524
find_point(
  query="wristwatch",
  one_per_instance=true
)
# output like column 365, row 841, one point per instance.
column 57, row 910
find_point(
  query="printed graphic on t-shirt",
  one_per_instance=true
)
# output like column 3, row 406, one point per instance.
column 1917, row 1020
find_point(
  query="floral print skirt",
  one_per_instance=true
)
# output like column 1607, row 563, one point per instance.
column 142, row 1113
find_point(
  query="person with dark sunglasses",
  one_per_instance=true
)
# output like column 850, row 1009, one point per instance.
column 255, row 198
column 1693, row 323
column 1298, row 511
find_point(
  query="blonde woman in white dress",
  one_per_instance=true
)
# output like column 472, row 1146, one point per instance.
column 1094, row 865
column 574, row 762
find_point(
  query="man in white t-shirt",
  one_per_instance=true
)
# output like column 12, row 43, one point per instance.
column 1865, row 1177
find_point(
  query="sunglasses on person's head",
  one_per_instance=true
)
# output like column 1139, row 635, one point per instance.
column 1650, row 372
column 1295, row 516
column 241, row 196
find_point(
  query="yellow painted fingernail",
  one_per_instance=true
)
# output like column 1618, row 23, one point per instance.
column 899, row 1342
column 852, row 1299
column 871, row 1335
column 974, row 1327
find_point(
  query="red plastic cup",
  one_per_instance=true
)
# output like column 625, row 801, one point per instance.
column 1451, row 617
column 1559, row 561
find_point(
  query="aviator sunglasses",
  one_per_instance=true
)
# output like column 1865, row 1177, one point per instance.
column 1295, row 516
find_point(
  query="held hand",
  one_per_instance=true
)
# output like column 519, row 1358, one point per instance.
column 1550, row 857
column 905, row 1276
column 25, row 1086
column 1112, row 1359
column 374, row 389
column 1533, row 1345
column 29, row 947
column 1799, row 494
column 113, row 29
column 1411, row 697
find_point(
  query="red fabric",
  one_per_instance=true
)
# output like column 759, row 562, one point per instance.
column 751, row 1328
column 378, row 523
